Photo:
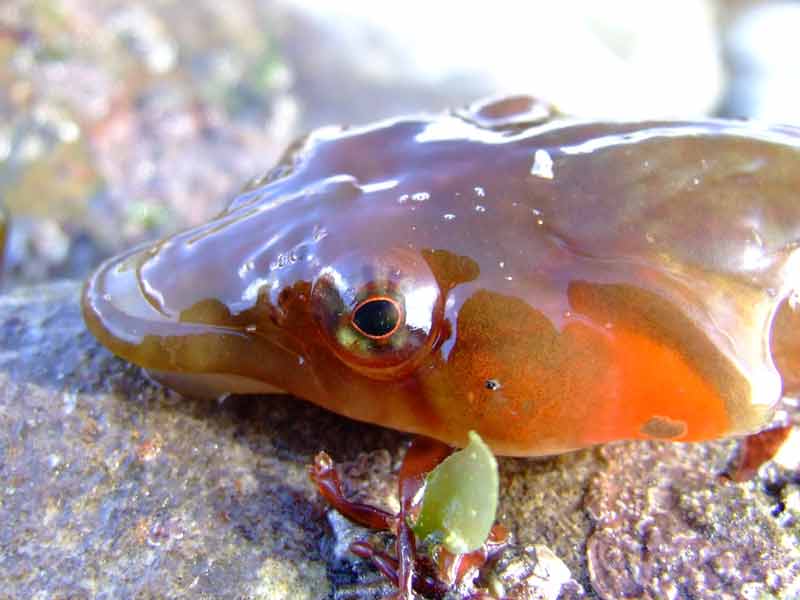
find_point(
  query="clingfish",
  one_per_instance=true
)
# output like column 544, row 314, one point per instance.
column 550, row 282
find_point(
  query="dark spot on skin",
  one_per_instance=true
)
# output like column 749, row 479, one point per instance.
column 492, row 385
column 663, row 428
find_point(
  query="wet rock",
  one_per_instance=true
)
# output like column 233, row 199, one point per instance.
column 111, row 486
column 667, row 526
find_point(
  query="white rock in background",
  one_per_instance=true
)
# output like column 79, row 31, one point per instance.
column 618, row 58
column 764, row 49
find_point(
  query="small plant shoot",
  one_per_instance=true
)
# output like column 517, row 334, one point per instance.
column 460, row 499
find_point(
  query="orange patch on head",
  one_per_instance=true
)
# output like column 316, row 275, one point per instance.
column 653, row 392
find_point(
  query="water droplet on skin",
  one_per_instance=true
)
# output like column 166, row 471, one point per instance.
column 479, row 191
column 420, row 196
column 536, row 211
column 251, row 329
column 480, row 208
column 319, row 233
column 542, row 165
column 502, row 264
column 539, row 222
column 301, row 360
column 448, row 216
column 696, row 181
column 509, row 278
column 246, row 268
column 280, row 262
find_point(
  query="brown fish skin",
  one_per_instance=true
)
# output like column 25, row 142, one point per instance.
column 546, row 281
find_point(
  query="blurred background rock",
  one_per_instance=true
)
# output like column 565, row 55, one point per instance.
column 121, row 122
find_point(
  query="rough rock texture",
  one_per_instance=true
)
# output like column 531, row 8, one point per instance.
column 111, row 487
column 666, row 527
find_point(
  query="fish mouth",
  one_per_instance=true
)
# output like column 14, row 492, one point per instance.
column 117, row 308
column 188, row 356
column 211, row 386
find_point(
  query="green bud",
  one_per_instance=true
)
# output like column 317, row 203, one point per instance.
column 459, row 504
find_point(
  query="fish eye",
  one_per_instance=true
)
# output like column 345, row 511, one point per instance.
column 377, row 318
column 378, row 314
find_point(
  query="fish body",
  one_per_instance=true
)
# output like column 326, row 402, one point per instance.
column 547, row 281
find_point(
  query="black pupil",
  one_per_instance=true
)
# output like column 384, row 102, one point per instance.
column 376, row 318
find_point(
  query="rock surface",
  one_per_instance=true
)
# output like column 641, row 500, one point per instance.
column 111, row 487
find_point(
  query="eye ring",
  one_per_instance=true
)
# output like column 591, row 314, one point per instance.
column 397, row 322
column 379, row 314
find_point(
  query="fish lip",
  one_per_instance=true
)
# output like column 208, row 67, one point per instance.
column 211, row 386
column 191, row 353
column 108, row 311
column 121, row 317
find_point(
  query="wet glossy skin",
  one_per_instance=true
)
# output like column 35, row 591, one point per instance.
column 549, row 282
